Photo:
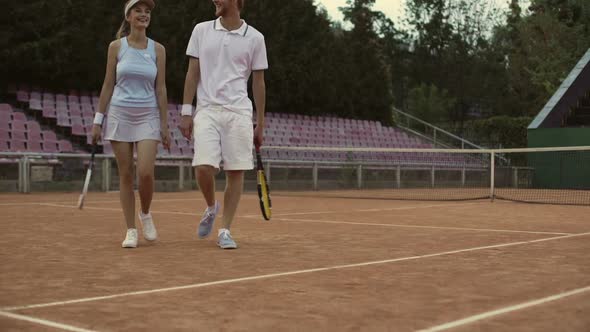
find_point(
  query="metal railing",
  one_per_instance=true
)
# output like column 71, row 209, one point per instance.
column 437, row 136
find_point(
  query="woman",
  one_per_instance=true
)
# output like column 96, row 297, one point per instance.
column 134, row 91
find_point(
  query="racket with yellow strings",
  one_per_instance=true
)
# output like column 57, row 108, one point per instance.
column 263, row 190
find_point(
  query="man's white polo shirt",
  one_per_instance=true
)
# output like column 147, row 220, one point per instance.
column 227, row 58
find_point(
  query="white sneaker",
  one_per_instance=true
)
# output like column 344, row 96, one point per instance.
column 130, row 239
column 147, row 225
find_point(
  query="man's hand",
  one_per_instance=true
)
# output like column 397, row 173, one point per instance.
column 186, row 126
column 258, row 135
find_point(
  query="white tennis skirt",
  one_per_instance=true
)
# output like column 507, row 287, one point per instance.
column 132, row 124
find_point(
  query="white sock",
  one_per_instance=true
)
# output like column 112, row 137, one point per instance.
column 143, row 215
column 222, row 230
column 211, row 208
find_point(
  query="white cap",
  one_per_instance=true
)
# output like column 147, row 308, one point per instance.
column 132, row 3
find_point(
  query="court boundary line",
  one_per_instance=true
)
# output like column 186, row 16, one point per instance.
column 199, row 199
column 504, row 310
column 275, row 215
column 44, row 322
column 421, row 226
column 340, row 222
column 283, row 274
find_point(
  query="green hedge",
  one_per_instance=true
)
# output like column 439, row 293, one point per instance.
column 504, row 131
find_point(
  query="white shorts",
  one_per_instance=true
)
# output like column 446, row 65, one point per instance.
column 223, row 135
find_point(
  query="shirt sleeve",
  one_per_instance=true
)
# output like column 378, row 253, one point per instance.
column 259, row 60
column 193, row 44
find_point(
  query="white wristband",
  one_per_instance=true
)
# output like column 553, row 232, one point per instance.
column 187, row 109
column 98, row 117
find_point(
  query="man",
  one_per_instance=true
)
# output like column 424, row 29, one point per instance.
column 223, row 53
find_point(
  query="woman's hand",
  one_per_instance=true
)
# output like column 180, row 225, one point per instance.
column 165, row 133
column 96, row 133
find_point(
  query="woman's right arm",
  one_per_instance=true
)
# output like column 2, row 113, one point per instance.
column 107, row 89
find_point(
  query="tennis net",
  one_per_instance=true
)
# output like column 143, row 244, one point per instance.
column 534, row 175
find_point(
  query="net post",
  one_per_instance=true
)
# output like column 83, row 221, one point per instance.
column 492, row 174
column 315, row 176
column 181, row 176
column 359, row 176
column 432, row 177
column 26, row 175
column 515, row 177
column 398, row 176
column 106, row 174
column 21, row 175
column 463, row 174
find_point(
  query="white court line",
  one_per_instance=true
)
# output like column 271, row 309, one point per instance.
column 45, row 322
column 366, row 210
column 18, row 204
column 275, row 215
column 485, row 315
column 114, row 209
column 283, row 274
column 418, row 226
column 196, row 199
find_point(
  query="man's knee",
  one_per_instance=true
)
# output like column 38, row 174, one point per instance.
column 206, row 170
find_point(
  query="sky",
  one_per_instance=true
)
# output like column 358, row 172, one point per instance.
column 394, row 9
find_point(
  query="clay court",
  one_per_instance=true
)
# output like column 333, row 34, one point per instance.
column 321, row 264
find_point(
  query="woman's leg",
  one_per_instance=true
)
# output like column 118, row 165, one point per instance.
column 146, row 159
column 124, row 154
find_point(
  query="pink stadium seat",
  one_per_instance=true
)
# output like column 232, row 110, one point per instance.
column 33, row 126
column 85, row 99
column 35, row 104
column 19, row 135
column 76, row 120
column 4, row 135
column 35, row 136
column 48, row 103
column 19, row 116
column 78, row 129
column 5, row 108
column 49, row 112
column 34, row 146
column 73, row 98
column 5, row 125
column 4, row 146
column 65, row 146
column 22, row 96
column 63, row 121
column 186, row 151
column 48, row 96
column 18, row 125
column 62, row 110
column 5, row 116
column 35, row 95
column 175, row 151
column 49, row 135
column 50, row 146
column 18, row 146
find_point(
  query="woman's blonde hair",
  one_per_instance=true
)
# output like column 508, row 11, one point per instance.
column 125, row 28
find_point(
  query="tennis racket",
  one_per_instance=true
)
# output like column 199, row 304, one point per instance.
column 87, row 180
column 263, row 191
